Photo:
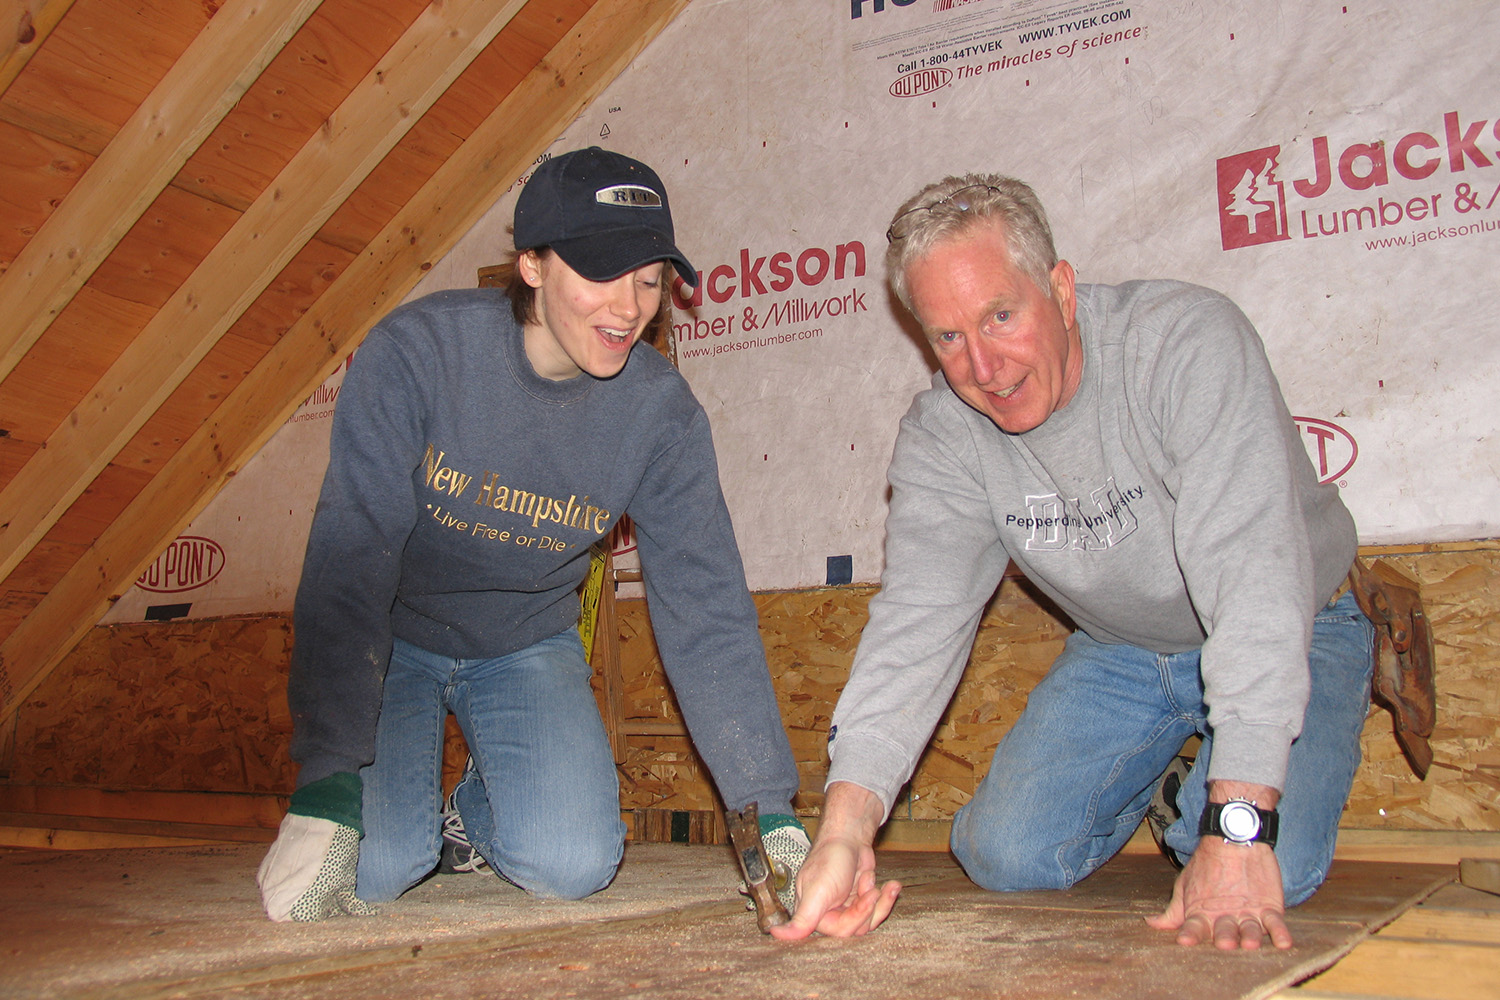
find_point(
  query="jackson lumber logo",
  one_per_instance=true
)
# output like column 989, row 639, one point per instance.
column 1252, row 199
column 188, row 563
column 1256, row 206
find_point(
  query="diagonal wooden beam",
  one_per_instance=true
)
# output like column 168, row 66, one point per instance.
column 228, row 55
column 576, row 71
column 24, row 26
column 381, row 109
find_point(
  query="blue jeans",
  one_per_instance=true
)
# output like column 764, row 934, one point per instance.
column 540, row 801
column 1071, row 780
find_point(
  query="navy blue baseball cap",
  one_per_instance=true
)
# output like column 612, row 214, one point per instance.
column 603, row 213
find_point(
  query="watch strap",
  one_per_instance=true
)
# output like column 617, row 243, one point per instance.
column 1270, row 823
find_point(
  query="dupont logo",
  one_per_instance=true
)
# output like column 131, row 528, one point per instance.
column 923, row 81
column 1331, row 448
column 189, row 562
column 1252, row 200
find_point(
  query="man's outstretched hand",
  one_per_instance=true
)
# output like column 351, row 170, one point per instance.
column 836, row 890
column 1229, row 894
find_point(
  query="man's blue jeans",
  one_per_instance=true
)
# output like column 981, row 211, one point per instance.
column 1071, row 780
column 541, row 802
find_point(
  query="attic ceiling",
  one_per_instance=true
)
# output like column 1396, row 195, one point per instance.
column 204, row 206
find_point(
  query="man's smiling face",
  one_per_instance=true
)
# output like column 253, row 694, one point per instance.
column 1009, row 349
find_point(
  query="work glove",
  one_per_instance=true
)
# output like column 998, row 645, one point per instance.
column 308, row 874
column 786, row 842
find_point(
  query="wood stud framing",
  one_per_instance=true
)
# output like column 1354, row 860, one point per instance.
column 24, row 26
column 144, row 156
column 51, row 485
column 265, row 238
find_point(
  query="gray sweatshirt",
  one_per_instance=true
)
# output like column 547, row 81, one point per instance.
column 462, row 495
column 1170, row 505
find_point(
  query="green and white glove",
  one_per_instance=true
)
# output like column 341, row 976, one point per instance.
column 308, row 874
column 787, row 844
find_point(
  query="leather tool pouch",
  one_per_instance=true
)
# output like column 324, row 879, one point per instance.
column 1403, row 680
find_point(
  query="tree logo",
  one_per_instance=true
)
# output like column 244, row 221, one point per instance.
column 1252, row 199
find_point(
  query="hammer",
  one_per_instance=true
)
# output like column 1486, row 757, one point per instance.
column 760, row 879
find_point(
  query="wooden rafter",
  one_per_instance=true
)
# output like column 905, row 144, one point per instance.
column 24, row 26
column 224, row 60
column 577, row 69
column 438, row 46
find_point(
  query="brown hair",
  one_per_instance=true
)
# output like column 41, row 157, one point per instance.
column 523, row 296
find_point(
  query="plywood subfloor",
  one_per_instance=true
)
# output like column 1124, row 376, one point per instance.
column 186, row 922
column 1446, row 948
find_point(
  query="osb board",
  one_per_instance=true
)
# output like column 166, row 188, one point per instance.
column 197, row 706
column 811, row 636
column 810, row 639
column 1461, row 595
column 202, row 706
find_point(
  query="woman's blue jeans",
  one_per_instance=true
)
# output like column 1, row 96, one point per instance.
column 1071, row 780
column 540, row 801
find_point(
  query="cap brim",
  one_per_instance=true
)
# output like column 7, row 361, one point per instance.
column 606, row 256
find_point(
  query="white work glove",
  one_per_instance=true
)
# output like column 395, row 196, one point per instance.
column 308, row 874
column 786, row 842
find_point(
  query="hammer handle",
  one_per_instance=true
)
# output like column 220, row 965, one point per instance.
column 744, row 833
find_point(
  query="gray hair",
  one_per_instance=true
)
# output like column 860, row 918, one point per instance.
column 955, row 205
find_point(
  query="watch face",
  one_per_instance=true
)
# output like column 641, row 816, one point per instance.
column 1239, row 821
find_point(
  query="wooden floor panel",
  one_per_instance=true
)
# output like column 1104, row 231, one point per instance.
column 186, row 922
column 1429, row 970
column 1445, row 948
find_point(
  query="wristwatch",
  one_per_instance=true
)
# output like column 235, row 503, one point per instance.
column 1240, row 821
